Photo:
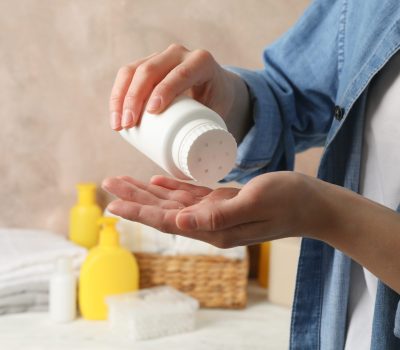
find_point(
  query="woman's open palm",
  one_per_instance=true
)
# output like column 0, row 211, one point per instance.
column 158, row 203
column 224, row 217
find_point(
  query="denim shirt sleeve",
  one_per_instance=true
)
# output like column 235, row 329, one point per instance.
column 396, row 330
column 293, row 97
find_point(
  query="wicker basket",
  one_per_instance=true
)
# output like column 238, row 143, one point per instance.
column 215, row 281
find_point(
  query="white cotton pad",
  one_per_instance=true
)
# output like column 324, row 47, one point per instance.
column 151, row 313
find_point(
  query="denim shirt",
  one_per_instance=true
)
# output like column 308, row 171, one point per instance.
column 312, row 92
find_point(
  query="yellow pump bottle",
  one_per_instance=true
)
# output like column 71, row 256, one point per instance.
column 108, row 269
column 84, row 216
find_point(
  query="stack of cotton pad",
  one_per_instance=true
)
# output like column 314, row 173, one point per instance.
column 151, row 313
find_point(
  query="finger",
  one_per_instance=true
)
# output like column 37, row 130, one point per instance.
column 158, row 191
column 182, row 198
column 163, row 220
column 195, row 70
column 119, row 90
column 173, row 184
column 148, row 75
column 129, row 192
column 215, row 216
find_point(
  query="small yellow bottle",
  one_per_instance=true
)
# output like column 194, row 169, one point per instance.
column 84, row 216
column 108, row 269
column 263, row 265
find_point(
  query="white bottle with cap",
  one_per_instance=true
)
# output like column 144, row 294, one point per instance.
column 188, row 140
column 62, row 293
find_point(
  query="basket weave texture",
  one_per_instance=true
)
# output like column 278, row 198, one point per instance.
column 216, row 281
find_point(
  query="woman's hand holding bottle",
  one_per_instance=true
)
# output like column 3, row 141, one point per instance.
column 153, row 82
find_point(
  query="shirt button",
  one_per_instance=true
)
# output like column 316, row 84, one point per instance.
column 338, row 113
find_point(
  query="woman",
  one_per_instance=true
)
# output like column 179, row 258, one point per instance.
column 333, row 80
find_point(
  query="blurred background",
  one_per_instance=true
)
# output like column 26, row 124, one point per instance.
column 58, row 60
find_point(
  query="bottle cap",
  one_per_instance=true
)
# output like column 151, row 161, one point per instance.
column 108, row 221
column 64, row 265
column 86, row 193
column 108, row 234
column 207, row 152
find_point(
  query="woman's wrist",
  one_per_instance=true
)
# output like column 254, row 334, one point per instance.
column 321, row 208
column 360, row 228
column 336, row 213
column 238, row 117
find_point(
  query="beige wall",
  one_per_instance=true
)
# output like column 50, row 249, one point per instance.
column 57, row 63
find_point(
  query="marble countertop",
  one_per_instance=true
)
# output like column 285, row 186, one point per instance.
column 260, row 326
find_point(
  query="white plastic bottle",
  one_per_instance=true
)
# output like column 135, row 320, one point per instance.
column 62, row 294
column 188, row 140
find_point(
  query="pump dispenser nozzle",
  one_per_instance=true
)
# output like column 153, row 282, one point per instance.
column 83, row 227
column 108, row 234
column 86, row 193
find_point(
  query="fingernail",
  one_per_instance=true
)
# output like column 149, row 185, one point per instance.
column 127, row 118
column 154, row 104
column 189, row 221
column 115, row 121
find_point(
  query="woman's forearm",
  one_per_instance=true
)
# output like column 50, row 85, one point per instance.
column 364, row 230
column 238, row 119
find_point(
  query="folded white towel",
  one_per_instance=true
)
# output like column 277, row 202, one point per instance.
column 141, row 238
column 24, row 299
column 28, row 256
column 13, row 309
column 137, row 237
column 27, row 259
column 188, row 246
column 34, row 286
column 23, row 248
